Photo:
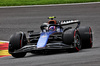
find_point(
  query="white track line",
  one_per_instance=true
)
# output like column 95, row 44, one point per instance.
column 4, row 41
column 50, row 5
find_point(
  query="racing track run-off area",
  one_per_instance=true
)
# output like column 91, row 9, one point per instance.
column 15, row 19
column 4, row 49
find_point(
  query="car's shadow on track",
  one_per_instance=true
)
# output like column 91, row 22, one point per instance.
column 47, row 53
column 53, row 52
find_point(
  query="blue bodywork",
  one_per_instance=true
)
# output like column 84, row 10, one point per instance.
column 44, row 39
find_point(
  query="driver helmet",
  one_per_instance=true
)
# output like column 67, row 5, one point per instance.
column 52, row 28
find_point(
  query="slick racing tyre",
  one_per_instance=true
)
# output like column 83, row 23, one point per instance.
column 86, row 37
column 72, row 37
column 17, row 41
column 18, row 55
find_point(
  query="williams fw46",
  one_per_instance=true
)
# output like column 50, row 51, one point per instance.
column 54, row 35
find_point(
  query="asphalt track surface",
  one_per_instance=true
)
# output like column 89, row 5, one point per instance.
column 22, row 19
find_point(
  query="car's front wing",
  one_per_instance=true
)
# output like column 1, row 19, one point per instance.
column 50, row 46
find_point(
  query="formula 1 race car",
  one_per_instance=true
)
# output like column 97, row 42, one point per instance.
column 53, row 36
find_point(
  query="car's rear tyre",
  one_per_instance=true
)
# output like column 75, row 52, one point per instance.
column 72, row 37
column 17, row 41
column 86, row 37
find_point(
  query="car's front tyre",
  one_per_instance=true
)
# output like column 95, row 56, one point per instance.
column 17, row 41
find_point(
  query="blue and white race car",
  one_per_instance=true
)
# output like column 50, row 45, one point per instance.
column 53, row 35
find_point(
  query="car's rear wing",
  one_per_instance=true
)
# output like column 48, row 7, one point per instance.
column 67, row 22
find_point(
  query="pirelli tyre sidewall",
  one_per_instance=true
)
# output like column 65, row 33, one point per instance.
column 86, row 37
column 72, row 37
column 17, row 41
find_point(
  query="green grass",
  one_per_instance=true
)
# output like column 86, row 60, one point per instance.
column 40, row 2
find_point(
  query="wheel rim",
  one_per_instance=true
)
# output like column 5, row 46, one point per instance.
column 77, row 42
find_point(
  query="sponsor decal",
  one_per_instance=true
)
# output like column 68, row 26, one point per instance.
column 68, row 21
column 44, row 36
